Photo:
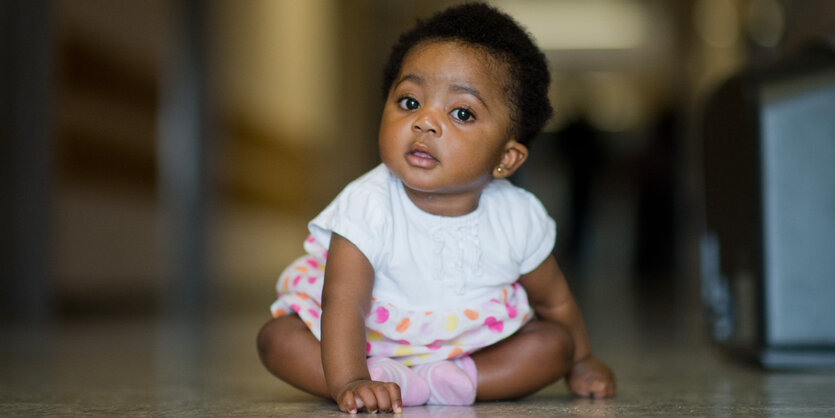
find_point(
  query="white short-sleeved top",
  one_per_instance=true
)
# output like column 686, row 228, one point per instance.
column 424, row 261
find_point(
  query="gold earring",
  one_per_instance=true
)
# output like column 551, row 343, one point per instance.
column 498, row 169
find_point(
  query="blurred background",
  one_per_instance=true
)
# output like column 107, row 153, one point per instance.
column 163, row 157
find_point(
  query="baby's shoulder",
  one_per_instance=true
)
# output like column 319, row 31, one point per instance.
column 503, row 193
column 367, row 197
column 374, row 185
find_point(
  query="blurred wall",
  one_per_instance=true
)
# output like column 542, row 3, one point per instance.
column 25, row 159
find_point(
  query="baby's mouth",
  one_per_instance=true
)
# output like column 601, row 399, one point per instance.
column 420, row 156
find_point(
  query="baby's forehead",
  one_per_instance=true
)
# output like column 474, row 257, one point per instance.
column 492, row 64
column 487, row 56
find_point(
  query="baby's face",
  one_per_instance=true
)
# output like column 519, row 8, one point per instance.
column 446, row 121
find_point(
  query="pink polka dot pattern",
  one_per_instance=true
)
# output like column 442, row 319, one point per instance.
column 411, row 337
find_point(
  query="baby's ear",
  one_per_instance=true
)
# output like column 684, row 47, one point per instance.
column 514, row 155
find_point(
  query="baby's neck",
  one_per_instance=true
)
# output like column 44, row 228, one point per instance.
column 443, row 204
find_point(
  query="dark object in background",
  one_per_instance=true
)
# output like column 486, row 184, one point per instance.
column 768, row 252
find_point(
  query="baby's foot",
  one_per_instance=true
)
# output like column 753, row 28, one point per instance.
column 413, row 389
column 450, row 383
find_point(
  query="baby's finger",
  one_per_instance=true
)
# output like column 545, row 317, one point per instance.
column 387, row 393
column 602, row 390
column 395, row 396
column 579, row 387
column 383, row 398
column 347, row 403
column 368, row 399
column 610, row 390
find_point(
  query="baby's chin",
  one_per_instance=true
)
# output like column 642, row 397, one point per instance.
column 419, row 185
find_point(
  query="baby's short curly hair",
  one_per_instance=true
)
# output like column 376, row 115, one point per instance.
column 480, row 25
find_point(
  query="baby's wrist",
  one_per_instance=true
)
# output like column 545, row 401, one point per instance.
column 337, row 389
column 582, row 358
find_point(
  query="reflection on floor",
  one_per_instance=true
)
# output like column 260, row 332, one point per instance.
column 151, row 367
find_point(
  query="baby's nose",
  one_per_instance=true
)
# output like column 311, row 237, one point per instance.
column 426, row 123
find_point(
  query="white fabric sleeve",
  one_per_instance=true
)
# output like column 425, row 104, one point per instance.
column 541, row 235
column 359, row 216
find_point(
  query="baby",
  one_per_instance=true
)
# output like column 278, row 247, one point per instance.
column 431, row 279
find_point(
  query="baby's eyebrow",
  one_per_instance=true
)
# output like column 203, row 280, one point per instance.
column 410, row 77
column 459, row 88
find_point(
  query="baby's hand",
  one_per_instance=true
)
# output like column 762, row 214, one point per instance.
column 590, row 377
column 372, row 395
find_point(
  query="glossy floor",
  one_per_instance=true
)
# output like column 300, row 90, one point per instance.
column 158, row 367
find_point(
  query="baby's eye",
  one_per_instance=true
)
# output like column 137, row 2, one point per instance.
column 408, row 103
column 463, row 115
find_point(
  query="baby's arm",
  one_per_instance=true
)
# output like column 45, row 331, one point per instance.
column 346, row 298
column 552, row 301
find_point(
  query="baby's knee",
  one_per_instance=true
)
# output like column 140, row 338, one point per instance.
column 266, row 338
column 273, row 337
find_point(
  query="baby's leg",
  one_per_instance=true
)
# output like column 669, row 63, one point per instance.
column 535, row 356
column 290, row 351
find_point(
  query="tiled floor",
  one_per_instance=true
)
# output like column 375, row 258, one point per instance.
column 149, row 367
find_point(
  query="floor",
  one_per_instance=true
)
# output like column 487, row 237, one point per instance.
column 154, row 367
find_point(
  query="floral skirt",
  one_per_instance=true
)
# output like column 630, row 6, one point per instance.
column 411, row 337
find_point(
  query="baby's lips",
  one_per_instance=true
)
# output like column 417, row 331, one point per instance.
column 421, row 150
column 422, row 154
